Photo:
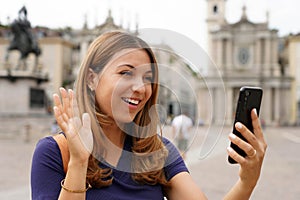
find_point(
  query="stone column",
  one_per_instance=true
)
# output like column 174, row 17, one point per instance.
column 218, row 50
column 204, row 105
column 268, row 63
column 257, row 60
column 266, row 106
column 277, row 106
column 274, row 58
column 83, row 49
column 285, row 103
column 229, row 106
column 220, row 103
column 229, row 54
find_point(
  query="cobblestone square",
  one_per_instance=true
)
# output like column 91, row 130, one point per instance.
column 206, row 159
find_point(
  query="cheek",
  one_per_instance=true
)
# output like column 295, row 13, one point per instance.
column 148, row 92
column 109, row 98
column 102, row 101
column 103, row 98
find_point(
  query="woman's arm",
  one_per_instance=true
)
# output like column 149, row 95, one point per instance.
column 250, row 166
column 79, row 138
column 75, row 180
column 183, row 187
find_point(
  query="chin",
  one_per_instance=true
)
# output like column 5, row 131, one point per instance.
column 124, row 120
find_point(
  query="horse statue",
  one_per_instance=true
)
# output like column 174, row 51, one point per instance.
column 23, row 40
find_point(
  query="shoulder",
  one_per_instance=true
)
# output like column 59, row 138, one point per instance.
column 47, row 151
column 170, row 146
column 175, row 119
column 46, row 144
column 166, row 141
column 46, row 163
column 174, row 163
column 186, row 118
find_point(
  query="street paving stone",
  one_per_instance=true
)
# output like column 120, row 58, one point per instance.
column 206, row 159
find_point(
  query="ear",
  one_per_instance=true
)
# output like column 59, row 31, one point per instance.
column 92, row 79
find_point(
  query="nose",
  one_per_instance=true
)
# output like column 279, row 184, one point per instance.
column 138, row 85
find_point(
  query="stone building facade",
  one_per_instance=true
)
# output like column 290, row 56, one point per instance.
column 175, row 96
column 54, row 70
column 243, row 53
column 62, row 53
column 292, row 58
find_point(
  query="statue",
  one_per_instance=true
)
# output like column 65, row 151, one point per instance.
column 23, row 40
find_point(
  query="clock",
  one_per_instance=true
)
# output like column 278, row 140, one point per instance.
column 243, row 56
column 215, row 28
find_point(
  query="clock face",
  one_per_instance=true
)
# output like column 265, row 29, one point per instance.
column 215, row 28
column 243, row 56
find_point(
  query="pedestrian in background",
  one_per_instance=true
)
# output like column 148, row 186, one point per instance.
column 54, row 127
column 181, row 127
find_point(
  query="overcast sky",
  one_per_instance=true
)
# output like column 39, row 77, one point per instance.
column 186, row 17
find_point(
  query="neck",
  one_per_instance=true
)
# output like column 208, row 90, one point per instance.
column 115, row 134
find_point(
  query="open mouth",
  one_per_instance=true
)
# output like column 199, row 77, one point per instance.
column 131, row 101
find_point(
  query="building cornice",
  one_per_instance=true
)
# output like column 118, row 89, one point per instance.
column 55, row 40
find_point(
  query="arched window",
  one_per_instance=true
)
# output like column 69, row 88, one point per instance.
column 215, row 9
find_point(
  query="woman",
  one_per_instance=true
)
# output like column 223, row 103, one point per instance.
column 110, row 125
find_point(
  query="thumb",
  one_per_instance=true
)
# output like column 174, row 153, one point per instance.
column 86, row 134
column 86, row 121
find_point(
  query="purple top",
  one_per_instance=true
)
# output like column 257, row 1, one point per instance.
column 47, row 173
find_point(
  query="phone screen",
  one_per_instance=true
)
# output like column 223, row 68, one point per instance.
column 249, row 98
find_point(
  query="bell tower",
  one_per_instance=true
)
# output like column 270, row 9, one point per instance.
column 215, row 17
column 215, row 13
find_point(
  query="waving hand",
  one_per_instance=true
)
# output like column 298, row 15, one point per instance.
column 77, row 129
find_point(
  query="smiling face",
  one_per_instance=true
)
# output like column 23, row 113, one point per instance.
column 125, row 85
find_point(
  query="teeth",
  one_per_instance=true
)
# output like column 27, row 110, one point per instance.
column 131, row 101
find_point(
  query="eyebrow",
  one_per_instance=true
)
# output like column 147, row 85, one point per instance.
column 128, row 65
column 133, row 67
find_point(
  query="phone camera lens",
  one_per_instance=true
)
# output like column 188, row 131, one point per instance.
column 247, row 93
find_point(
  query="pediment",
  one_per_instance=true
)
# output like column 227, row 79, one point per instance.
column 244, row 24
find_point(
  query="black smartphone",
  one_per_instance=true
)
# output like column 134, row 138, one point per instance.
column 249, row 98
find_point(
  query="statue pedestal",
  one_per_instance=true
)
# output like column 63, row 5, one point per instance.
column 13, row 62
column 23, row 92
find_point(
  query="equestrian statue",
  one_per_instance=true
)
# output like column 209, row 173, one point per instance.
column 23, row 40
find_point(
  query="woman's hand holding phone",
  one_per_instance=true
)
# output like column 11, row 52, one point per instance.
column 255, row 149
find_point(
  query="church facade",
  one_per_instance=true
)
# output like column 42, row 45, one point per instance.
column 62, row 54
column 243, row 54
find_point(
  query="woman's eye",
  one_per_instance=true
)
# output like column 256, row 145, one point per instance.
column 128, row 73
column 148, row 79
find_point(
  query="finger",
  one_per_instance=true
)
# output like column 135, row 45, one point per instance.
column 86, row 121
column 256, row 124
column 71, row 99
column 75, row 106
column 56, row 100
column 65, row 100
column 72, row 130
column 248, row 135
column 75, row 111
column 86, row 133
column 245, row 146
column 59, row 118
column 234, row 155
column 65, row 117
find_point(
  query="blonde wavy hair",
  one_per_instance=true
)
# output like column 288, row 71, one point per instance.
column 148, row 151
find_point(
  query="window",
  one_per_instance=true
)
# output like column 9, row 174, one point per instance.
column 215, row 9
column 37, row 98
